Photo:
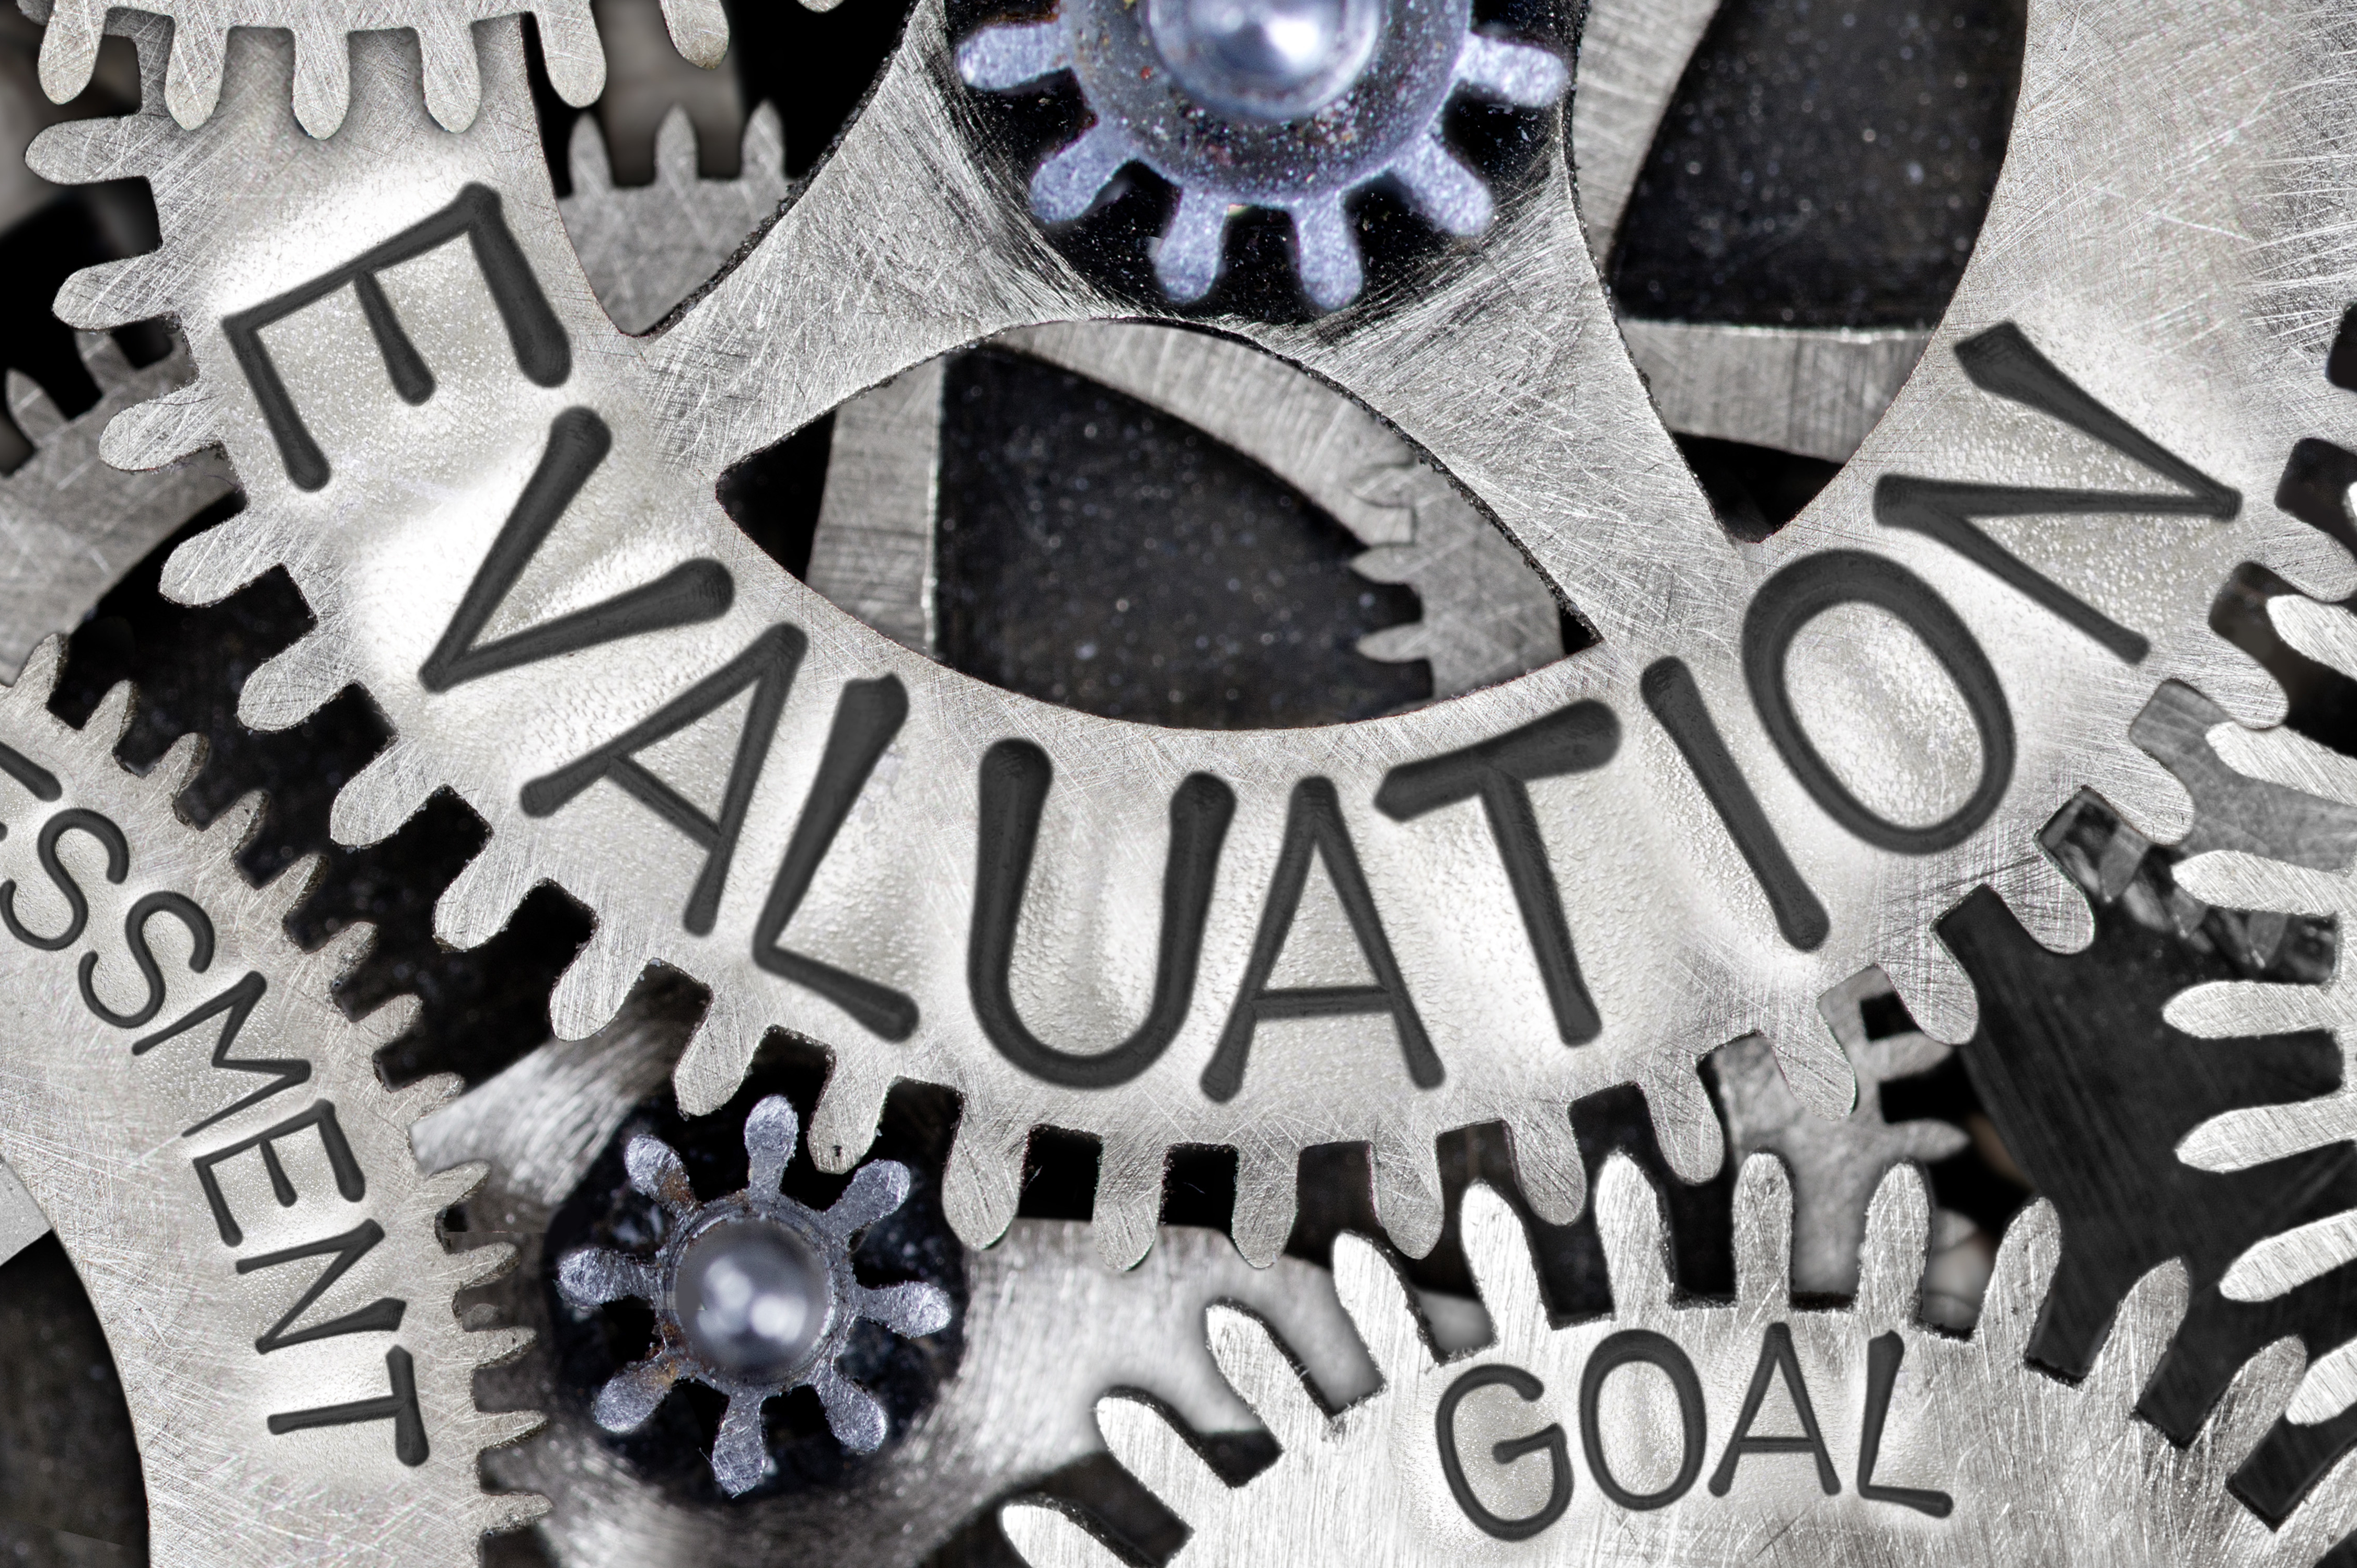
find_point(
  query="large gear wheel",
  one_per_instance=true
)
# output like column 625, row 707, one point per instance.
column 1852, row 1434
column 204, row 1131
column 1731, row 806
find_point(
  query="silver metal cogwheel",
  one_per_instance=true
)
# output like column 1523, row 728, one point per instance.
column 1292, row 105
column 754, row 1295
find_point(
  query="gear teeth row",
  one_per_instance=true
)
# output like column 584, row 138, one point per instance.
column 376, row 1119
column 323, row 62
column 2240, row 1139
column 1352, row 1478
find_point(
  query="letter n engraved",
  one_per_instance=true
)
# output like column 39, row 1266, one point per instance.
column 541, row 350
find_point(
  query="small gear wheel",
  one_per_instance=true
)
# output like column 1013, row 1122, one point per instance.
column 1292, row 105
column 754, row 1295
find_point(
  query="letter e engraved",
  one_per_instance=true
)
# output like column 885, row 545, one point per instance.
column 135, row 934
column 541, row 350
column 768, row 665
column 1882, row 1357
column 75, row 819
column 1675, row 699
column 1776, row 1355
column 1014, row 778
column 1549, row 1438
column 2001, row 362
column 238, row 1003
column 695, row 591
column 1617, row 1351
column 1575, row 739
column 866, row 717
column 1313, row 825
column 398, row 1407
column 380, row 1316
column 322, row 1115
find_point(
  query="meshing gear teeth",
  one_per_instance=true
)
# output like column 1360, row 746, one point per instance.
column 501, row 512
column 2240, row 1139
column 1740, row 1432
column 206, row 1133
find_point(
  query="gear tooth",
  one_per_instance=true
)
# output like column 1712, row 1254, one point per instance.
column 112, row 718
column 1129, row 1200
column 713, row 1063
column 283, row 894
column 1815, row 1069
column 2253, row 1402
column 36, row 416
column 676, row 150
column 853, row 1413
column 1636, row 1244
column 699, row 30
column 2287, row 758
column 1521, row 74
column 417, row 1102
column 1763, row 1237
column 2328, row 1388
column 1009, row 55
column 236, row 824
column 192, row 82
column 454, row 80
column 2017, row 1287
column 1187, row 257
column 1144, row 1443
column 86, row 152
column 161, row 430
column 2050, row 907
column 764, row 144
column 1379, row 1307
column 1505, row 1276
column 2326, row 633
column 984, row 1180
column 323, row 78
column 1891, row 1261
column 1266, row 1195
column 569, row 45
column 2235, row 879
column 179, row 767
column 1547, row 1165
column 2147, row 796
column 480, row 1265
column 911, row 1311
column 1045, row 1536
column 2230, row 1009
column 1065, row 184
column 508, row 1510
column 2139, row 1337
column 597, row 983
column 477, row 905
column 298, row 681
column 1685, row 1124
column 1326, row 254
column 70, row 47
column 1249, row 1356
column 1937, row 993
column 220, row 561
column 2276, row 1265
column 391, row 788
column 585, row 155
column 103, row 357
column 338, row 956
column 632, row 1395
column 850, row 1108
column 1408, row 1197
column 1449, row 195
column 39, row 678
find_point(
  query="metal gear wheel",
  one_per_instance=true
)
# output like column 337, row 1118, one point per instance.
column 1854, row 1434
column 753, row 1294
column 1291, row 105
column 1731, row 834
column 260, row 1248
